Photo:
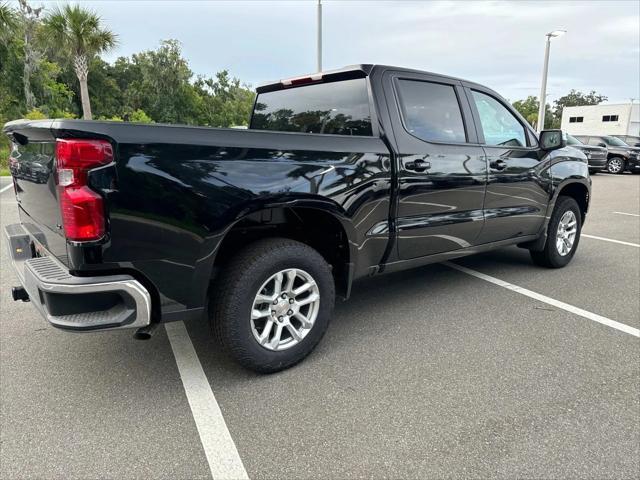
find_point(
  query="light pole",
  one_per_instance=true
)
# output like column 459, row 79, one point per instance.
column 319, row 40
column 545, row 70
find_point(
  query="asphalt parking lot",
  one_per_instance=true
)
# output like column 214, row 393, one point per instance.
column 431, row 373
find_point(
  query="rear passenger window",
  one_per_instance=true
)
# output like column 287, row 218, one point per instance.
column 431, row 111
column 499, row 125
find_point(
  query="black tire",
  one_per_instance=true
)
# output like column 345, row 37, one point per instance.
column 235, row 289
column 593, row 172
column 550, row 257
column 616, row 165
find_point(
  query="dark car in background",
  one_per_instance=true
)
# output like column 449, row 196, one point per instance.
column 620, row 156
column 629, row 140
column 596, row 156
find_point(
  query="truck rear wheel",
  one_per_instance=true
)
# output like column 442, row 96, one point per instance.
column 563, row 235
column 272, row 303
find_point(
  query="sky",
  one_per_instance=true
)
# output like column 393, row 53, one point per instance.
column 496, row 43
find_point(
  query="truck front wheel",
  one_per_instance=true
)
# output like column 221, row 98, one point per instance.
column 272, row 303
column 563, row 235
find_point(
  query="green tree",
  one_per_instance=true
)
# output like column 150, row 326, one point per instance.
column 158, row 82
column 78, row 34
column 576, row 98
column 528, row 108
column 225, row 101
column 8, row 22
column 30, row 25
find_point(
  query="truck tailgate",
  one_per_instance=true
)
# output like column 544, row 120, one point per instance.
column 32, row 165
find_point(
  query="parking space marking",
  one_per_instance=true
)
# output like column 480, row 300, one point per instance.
column 3, row 189
column 548, row 300
column 630, row 214
column 610, row 240
column 222, row 454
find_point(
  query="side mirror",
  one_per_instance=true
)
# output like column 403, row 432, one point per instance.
column 552, row 139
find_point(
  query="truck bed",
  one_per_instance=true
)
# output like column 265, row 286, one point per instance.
column 173, row 190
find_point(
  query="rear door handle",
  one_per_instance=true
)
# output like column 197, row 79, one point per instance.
column 498, row 165
column 417, row 165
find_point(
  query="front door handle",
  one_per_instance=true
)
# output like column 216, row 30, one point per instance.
column 498, row 165
column 417, row 165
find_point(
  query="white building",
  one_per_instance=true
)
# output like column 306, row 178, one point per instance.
column 604, row 119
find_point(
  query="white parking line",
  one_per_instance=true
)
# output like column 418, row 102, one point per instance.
column 630, row 214
column 222, row 455
column 3, row 189
column 610, row 240
column 550, row 301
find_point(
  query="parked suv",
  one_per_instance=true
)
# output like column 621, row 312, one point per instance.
column 341, row 175
column 620, row 156
column 596, row 156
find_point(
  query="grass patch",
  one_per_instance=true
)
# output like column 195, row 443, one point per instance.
column 4, row 161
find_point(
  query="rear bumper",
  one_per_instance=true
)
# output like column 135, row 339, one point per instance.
column 77, row 303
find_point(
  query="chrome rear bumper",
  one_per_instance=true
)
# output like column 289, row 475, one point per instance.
column 77, row 303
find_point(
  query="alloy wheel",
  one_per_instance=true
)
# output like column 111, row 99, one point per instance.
column 284, row 309
column 615, row 165
column 566, row 234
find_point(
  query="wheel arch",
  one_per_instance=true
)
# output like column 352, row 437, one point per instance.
column 320, row 224
column 577, row 190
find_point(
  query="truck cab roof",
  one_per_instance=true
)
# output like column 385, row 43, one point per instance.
column 344, row 73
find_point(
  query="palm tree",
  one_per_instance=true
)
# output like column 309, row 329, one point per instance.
column 8, row 21
column 78, row 34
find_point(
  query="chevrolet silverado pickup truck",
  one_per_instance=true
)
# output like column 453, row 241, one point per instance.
column 341, row 175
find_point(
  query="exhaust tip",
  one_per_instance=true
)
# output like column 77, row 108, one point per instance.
column 145, row 333
column 19, row 293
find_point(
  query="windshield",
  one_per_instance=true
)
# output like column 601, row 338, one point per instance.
column 616, row 142
column 573, row 140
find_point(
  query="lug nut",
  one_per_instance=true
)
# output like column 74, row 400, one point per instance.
column 291, row 300
column 273, row 312
column 284, row 295
column 290, row 312
column 280, row 318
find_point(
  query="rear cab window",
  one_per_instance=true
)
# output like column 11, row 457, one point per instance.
column 430, row 111
column 336, row 108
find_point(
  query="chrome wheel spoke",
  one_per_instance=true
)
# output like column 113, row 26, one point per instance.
column 306, row 301
column 276, row 337
column 264, row 336
column 255, row 313
column 302, row 288
column 277, row 289
column 304, row 321
column 294, row 333
column 291, row 278
column 260, row 298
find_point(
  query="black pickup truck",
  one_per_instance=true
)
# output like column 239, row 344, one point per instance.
column 341, row 175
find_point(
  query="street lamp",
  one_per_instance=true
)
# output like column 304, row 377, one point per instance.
column 319, row 39
column 545, row 70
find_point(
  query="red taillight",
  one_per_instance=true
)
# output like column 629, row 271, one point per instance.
column 82, row 209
